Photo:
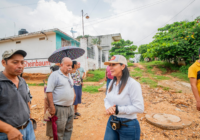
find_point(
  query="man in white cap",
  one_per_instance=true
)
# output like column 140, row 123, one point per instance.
column 15, row 121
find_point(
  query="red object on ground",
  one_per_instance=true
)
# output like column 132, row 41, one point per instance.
column 54, row 127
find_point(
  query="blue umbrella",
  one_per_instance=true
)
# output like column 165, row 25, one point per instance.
column 72, row 52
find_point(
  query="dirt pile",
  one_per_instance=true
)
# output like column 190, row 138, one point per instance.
column 35, row 76
column 179, row 104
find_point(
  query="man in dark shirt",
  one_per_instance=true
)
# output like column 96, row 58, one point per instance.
column 15, row 121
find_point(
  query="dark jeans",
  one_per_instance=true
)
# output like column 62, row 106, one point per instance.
column 28, row 133
column 132, row 132
column 107, row 84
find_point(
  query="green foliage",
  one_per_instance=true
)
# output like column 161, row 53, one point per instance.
column 148, row 81
column 122, row 47
column 79, row 37
column 166, row 88
column 130, row 64
column 137, row 69
column 142, row 49
column 152, row 63
column 36, row 84
column 184, row 69
column 163, row 69
column 149, row 70
column 137, row 72
column 179, row 72
column 180, row 75
column 160, row 77
column 91, row 89
column 174, row 41
column 96, row 75
column 95, row 41
column 180, row 91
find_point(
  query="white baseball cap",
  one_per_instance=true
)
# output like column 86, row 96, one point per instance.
column 117, row 59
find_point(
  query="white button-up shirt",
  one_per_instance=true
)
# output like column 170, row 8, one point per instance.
column 129, row 101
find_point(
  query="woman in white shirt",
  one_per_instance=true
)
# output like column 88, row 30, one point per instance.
column 123, row 101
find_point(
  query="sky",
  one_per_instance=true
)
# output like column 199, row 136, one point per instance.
column 136, row 20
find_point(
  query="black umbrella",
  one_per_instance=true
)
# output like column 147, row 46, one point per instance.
column 72, row 52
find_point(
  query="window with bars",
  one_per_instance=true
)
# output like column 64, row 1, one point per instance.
column 65, row 43
column 90, row 52
column 103, row 57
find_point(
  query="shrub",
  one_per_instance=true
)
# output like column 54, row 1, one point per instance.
column 184, row 69
column 130, row 64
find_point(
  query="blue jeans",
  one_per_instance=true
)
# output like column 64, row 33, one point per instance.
column 28, row 133
column 130, row 132
column 107, row 84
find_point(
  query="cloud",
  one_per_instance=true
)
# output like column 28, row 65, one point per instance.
column 46, row 15
column 139, row 24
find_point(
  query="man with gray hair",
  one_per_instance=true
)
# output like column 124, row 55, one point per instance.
column 61, row 95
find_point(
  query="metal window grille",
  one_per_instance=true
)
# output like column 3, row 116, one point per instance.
column 103, row 57
column 65, row 43
column 90, row 52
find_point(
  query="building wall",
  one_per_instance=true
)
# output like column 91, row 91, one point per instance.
column 92, row 64
column 105, row 41
column 83, row 59
column 58, row 41
column 35, row 48
column 105, row 44
column 60, row 36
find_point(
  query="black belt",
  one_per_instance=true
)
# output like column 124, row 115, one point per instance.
column 23, row 126
column 61, row 105
column 122, row 122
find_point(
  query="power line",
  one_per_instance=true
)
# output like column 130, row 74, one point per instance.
column 168, row 20
column 93, row 28
column 129, row 11
column 142, row 7
column 94, row 6
column 123, row 13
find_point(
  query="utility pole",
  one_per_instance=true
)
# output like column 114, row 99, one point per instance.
column 87, row 17
column 82, row 23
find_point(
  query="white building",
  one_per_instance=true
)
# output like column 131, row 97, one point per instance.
column 136, row 59
column 98, row 51
column 39, row 46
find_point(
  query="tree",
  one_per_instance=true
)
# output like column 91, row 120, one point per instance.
column 177, row 40
column 79, row 37
column 122, row 47
column 142, row 49
column 95, row 41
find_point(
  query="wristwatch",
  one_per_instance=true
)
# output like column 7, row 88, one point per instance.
column 116, row 111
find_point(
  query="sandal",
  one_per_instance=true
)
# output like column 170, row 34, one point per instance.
column 75, row 117
column 78, row 114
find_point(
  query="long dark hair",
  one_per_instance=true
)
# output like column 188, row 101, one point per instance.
column 123, row 80
column 74, row 63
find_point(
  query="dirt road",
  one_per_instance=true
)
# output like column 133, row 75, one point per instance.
column 91, row 125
